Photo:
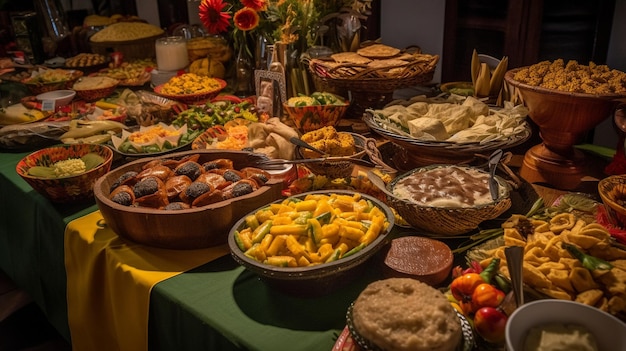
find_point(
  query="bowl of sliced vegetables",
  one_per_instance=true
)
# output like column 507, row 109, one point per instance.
column 320, row 109
column 154, row 140
column 312, row 243
column 66, row 173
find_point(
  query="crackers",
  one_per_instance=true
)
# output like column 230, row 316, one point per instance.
column 350, row 57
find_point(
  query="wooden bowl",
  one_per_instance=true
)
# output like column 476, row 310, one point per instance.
column 95, row 88
column 563, row 119
column 192, row 228
column 71, row 189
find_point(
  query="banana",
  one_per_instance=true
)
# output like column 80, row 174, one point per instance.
column 495, row 84
column 481, row 88
column 85, row 129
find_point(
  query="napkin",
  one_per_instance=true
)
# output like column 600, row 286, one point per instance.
column 109, row 280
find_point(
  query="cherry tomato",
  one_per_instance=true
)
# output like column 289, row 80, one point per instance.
column 487, row 295
column 490, row 323
column 463, row 287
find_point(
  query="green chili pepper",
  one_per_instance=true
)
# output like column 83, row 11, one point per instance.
column 590, row 262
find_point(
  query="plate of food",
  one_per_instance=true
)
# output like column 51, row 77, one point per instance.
column 131, row 73
column 191, row 88
column 153, row 140
column 569, row 254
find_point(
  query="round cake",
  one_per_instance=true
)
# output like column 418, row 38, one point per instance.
column 401, row 314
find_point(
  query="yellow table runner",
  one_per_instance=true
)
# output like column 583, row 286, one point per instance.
column 109, row 280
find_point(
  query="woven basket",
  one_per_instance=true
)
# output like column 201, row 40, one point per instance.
column 423, row 152
column 449, row 221
column 371, row 87
column 131, row 50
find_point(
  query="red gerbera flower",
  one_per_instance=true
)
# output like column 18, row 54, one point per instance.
column 246, row 19
column 256, row 5
column 213, row 18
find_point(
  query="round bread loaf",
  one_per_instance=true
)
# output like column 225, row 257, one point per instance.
column 401, row 314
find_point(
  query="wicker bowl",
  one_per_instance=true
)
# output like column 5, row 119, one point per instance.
column 38, row 86
column 193, row 99
column 193, row 228
column 336, row 169
column 419, row 153
column 448, row 220
column 105, row 88
column 309, row 118
column 131, row 49
column 318, row 279
column 72, row 189
column 612, row 191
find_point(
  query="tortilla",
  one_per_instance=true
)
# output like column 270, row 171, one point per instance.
column 350, row 57
column 378, row 51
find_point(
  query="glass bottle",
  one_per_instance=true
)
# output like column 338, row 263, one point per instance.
column 244, row 72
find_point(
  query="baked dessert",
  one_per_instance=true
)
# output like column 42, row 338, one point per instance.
column 401, row 314
column 445, row 186
column 427, row 260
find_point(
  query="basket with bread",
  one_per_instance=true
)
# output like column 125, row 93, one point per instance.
column 373, row 72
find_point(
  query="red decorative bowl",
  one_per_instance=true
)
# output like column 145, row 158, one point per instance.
column 193, row 99
column 70, row 189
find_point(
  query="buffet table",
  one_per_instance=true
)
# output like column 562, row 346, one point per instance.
column 218, row 305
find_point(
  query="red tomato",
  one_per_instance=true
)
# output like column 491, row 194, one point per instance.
column 487, row 295
column 490, row 324
column 463, row 287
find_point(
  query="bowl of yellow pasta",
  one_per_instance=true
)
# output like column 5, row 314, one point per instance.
column 190, row 88
column 312, row 243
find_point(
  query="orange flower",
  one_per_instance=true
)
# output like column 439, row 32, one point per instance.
column 246, row 19
column 256, row 5
column 213, row 18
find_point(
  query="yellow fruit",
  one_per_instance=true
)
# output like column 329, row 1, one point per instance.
column 208, row 67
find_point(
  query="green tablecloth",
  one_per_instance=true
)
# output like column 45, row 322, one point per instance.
column 218, row 306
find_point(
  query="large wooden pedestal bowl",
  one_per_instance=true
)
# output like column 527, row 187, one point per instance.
column 563, row 119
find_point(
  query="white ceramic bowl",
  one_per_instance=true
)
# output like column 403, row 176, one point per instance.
column 609, row 331
column 60, row 97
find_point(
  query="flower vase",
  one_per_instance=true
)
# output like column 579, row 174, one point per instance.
column 244, row 72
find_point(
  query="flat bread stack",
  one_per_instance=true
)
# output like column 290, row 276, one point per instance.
column 374, row 61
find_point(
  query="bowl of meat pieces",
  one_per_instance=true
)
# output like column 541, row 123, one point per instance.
column 184, row 200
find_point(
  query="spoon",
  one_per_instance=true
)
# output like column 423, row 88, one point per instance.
column 379, row 183
column 374, row 154
column 514, row 258
column 304, row 144
column 494, row 159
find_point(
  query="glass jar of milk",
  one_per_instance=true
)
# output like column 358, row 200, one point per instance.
column 171, row 53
